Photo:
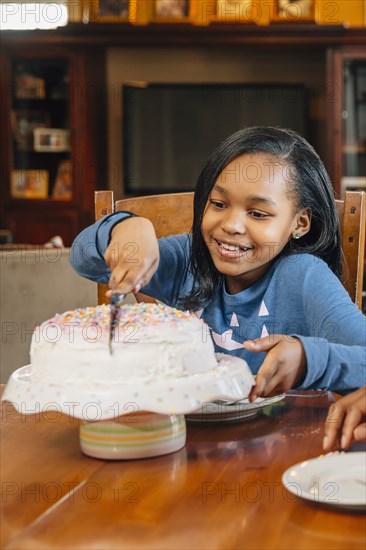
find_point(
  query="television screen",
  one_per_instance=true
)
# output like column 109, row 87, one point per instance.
column 170, row 130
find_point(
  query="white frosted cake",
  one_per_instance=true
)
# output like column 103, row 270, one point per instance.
column 151, row 343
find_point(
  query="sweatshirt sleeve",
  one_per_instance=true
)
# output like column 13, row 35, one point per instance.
column 337, row 367
column 336, row 351
column 173, row 280
column 88, row 249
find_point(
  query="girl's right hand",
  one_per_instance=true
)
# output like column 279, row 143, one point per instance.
column 132, row 255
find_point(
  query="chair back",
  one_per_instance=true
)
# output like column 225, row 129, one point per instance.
column 172, row 214
column 352, row 217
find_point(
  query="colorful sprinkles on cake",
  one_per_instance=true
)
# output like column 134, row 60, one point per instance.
column 143, row 314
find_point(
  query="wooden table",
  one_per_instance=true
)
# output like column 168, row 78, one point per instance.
column 222, row 491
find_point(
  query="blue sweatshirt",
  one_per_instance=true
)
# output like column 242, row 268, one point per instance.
column 299, row 296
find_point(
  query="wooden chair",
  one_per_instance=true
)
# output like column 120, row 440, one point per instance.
column 172, row 214
column 352, row 216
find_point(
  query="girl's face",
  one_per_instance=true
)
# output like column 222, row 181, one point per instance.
column 249, row 218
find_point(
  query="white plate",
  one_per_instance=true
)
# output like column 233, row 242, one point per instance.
column 334, row 479
column 222, row 412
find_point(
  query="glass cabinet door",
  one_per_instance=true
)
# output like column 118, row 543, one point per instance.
column 354, row 125
column 41, row 166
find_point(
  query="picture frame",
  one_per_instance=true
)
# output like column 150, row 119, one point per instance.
column 28, row 86
column 235, row 10
column 292, row 11
column 109, row 11
column 171, row 10
column 23, row 123
column 51, row 140
column 29, row 184
column 62, row 189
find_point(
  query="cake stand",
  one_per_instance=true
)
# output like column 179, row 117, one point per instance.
column 124, row 421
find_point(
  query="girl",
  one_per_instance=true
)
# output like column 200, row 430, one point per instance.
column 261, row 266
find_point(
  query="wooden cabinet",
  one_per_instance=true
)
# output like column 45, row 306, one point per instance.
column 67, row 69
column 346, row 80
column 49, row 147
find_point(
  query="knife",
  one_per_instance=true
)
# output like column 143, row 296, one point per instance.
column 116, row 301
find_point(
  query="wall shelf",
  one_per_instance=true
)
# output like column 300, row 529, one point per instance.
column 185, row 34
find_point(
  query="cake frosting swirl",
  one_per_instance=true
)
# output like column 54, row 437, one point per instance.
column 151, row 343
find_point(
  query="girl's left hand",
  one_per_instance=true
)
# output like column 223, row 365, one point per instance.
column 283, row 367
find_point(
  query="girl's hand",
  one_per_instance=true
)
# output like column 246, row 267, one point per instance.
column 346, row 420
column 132, row 255
column 283, row 367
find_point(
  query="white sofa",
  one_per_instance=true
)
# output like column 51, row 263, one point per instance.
column 34, row 285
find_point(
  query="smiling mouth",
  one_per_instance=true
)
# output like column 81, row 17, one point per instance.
column 230, row 248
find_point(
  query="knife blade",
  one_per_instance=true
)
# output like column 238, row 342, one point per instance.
column 116, row 301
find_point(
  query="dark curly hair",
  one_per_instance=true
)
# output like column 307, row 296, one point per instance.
column 308, row 183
